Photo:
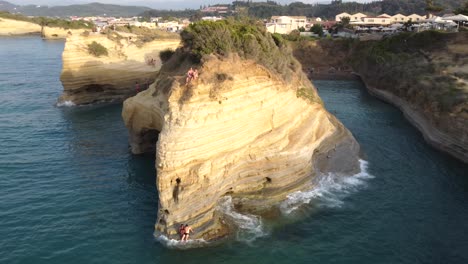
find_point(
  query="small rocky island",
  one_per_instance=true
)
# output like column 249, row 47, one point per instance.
column 102, row 67
column 252, row 127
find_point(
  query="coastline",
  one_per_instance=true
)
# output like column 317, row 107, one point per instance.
column 432, row 135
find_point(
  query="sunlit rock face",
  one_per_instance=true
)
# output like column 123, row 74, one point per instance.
column 10, row 27
column 89, row 79
column 239, row 130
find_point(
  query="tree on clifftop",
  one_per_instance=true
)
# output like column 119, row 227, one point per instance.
column 431, row 7
column 462, row 10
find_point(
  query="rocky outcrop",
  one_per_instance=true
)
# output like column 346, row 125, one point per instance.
column 426, row 76
column 10, row 27
column 88, row 79
column 239, row 130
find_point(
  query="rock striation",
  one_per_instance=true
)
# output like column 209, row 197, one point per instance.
column 87, row 78
column 10, row 27
column 240, row 130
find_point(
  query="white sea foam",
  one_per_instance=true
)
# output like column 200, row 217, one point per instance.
column 172, row 243
column 329, row 190
column 249, row 227
column 65, row 103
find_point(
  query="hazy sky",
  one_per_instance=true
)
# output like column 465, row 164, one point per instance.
column 166, row 4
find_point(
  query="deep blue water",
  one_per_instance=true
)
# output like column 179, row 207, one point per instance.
column 71, row 192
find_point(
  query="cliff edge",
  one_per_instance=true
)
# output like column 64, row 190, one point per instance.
column 426, row 76
column 105, row 67
column 251, row 127
column 11, row 27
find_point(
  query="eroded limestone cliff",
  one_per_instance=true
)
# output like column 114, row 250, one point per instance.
column 239, row 130
column 424, row 74
column 10, row 27
column 87, row 78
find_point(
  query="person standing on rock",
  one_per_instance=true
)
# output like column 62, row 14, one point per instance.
column 195, row 74
column 181, row 231
column 189, row 76
column 187, row 230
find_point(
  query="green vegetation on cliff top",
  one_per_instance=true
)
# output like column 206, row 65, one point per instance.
column 97, row 49
column 423, row 68
column 246, row 38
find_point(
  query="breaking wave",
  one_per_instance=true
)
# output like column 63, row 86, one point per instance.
column 65, row 103
column 329, row 190
column 173, row 243
column 249, row 227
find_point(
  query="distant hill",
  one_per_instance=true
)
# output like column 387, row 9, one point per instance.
column 93, row 9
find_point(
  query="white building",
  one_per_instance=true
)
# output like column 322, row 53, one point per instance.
column 340, row 16
column 286, row 24
column 399, row 18
column 415, row 18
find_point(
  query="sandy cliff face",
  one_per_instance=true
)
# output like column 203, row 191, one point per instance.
column 10, row 27
column 239, row 130
column 88, row 79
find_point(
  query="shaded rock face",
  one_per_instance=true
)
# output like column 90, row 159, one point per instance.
column 238, row 130
column 88, row 79
column 425, row 75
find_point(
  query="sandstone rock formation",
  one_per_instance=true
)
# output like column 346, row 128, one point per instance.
column 239, row 130
column 10, row 27
column 88, row 79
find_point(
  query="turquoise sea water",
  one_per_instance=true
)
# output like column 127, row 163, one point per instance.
column 71, row 192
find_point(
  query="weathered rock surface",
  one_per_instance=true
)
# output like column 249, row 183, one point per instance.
column 239, row 130
column 425, row 75
column 428, row 81
column 10, row 27
column 88, row 79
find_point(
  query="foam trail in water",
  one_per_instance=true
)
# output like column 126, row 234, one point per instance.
column 329, row 190
column 250, row 227
column 172, row 243
column 65, row 103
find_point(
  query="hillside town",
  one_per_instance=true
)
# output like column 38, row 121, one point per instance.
column 355, row 23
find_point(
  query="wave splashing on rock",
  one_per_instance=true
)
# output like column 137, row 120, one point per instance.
column 329, row 190
column 249, row 227
column 177, row 244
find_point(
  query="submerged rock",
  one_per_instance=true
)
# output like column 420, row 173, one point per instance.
column 240, row 130
column 89, row 78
